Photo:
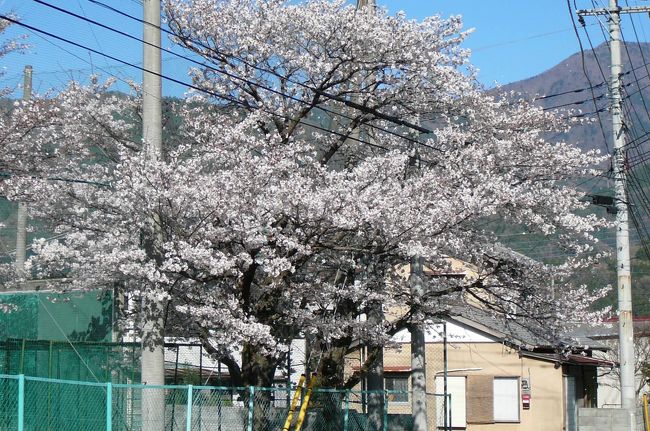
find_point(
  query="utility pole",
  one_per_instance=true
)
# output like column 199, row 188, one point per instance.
column 418, row 362
column 375, row 378
column 153, row 359
column 21, row 216
column 624, row 282
column 369, row 5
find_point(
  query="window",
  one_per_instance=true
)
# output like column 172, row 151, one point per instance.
column 397, row 383
column 506, row 399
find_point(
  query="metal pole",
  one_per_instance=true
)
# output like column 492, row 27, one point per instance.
column 375, row 379
column 109, row 406
column 152, row 362
column 346, row 416
column 21, row 216
column 625, row 324
column 418, row 364
column 21, row 402
column 188, row 416
column 445, row 380
column 251, row 406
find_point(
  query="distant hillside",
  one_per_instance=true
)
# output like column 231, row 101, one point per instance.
column 569, row 76
column 567, row 80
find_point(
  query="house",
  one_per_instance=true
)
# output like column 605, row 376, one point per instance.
column 609, row 392
column 500, row 375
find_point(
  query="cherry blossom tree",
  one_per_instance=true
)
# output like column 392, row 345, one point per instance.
column 8, row 46
column 321, row 151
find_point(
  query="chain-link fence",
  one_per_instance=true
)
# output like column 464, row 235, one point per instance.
column 185, row 363
column 397, row 375
column 33, row 403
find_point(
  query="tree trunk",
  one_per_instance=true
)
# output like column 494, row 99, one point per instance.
column 330, row 374
column 258, row 370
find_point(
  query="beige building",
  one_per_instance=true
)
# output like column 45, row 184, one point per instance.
column 497, row 380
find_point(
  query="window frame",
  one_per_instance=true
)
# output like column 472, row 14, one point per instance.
column 401, row 377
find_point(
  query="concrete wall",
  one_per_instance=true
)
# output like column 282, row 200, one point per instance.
column 608, row 420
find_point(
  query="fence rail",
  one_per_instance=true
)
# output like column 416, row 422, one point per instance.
column 35, row 403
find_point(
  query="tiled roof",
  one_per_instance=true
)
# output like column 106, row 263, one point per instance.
column 523, row 333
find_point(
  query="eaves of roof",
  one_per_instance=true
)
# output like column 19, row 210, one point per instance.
column 571, row 359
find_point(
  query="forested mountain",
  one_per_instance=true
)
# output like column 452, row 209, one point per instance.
column 580, row 83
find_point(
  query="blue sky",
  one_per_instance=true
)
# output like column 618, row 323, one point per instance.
column 513, row 39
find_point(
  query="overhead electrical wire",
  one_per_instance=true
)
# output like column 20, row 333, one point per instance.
column 336, row 98
column 643, row 58
column 122, row 13
column 564, row 93
column 635, row 190
column 638, row 174
column 577, row 102
column 349, row 103
column 392, row 119
column 194, row 87
column 586, row 74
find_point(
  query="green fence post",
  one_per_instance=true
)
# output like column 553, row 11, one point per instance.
column 188, row 419
column 385, row 403
column 251, row 406
column 21, row 402
column 22, row 357
column 109, row 406
column 346, row 414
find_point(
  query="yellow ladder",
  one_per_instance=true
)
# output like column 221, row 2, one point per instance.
column 303, row 407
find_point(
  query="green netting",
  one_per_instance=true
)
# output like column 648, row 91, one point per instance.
column 51, row 404
column 75, row 316
column 81, row 361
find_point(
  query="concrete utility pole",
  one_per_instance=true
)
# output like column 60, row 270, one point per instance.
column 375, row 377
column 21, row 216
column 625, row 324
column 153, row 359
column 369, row 5
column 418, row 356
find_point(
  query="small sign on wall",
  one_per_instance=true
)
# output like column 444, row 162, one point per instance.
column 525, row 393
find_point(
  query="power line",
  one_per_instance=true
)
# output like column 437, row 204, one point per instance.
column 578, row 102
column 393, row 119
column 584, row 70
column 349, row 103
column 563, row 93
column 194, row 87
